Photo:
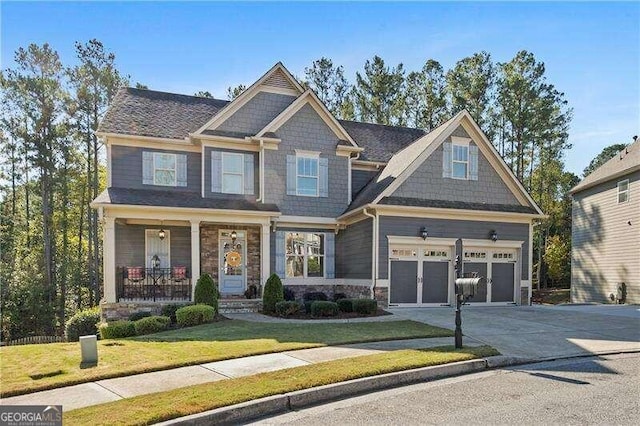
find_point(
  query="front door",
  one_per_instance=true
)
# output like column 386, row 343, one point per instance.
column 232, row 262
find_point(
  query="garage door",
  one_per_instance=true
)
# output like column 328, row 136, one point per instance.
column 419, row 275
column 498, row 267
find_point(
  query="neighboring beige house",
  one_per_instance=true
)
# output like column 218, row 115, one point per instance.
column 605, row 233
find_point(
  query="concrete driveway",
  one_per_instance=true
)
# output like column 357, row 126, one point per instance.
column 542, row 331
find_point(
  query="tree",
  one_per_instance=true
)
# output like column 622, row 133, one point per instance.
column 142, row 86
column 234, row 92
column 558, row 258
column 605, row 155
column 203, row 94
column 470, row 86
column 329, row 83
column 379, row 93
column 426, row 101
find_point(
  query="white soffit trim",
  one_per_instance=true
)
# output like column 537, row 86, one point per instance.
column 310, row 98
column 488, row 243
column 430, row 241
column 246, row 96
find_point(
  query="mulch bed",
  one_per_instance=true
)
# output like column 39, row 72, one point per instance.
column 341, row 315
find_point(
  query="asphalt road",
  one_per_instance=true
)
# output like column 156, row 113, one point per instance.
column 598, row 390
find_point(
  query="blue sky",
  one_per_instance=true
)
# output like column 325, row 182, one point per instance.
column 591, row 50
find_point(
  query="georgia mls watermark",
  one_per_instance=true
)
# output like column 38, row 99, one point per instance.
column 30, row 415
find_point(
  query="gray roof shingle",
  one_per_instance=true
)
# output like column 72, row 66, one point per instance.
column 380, row 142
column 444, row 204
column 144, row 197
column 626, row 160
column 143, row 112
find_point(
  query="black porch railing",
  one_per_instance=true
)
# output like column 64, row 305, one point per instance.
column 153, row 284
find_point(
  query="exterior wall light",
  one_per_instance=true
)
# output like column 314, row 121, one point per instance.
column 423, row 232
column 234, row 236
column 161, row 234
column 494, row 236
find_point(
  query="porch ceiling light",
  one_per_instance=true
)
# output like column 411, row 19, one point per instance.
column 234, row 236
column 161, row 234
column 494, row 236
column 423, row 232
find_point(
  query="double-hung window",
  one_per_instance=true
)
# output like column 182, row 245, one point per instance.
column 623, row 191
column 232, row 173
column 307, row 175
column 460, row 161
column 304, row 255
column 164, row 169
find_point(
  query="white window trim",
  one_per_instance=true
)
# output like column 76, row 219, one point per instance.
column 626, row 192
column 175, row 169
column 305, row 267
column 222, row 156
column 460, row 143
column 313, row 156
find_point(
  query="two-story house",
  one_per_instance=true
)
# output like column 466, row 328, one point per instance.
column 605, row 231
column 271, row 182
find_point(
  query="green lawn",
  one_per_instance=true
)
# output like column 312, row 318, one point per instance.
column 152, row 408
column 30, row 368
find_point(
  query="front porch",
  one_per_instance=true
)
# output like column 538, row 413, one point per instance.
column 150, row 262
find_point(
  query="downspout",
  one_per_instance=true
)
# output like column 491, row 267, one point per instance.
column 374, row 250
column 261, row 171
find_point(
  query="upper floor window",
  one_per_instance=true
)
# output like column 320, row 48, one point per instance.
column 232, row 173
column 304, row 254
column 307, row 175
column 623, row 191
column 460, row 161
column 164, row 169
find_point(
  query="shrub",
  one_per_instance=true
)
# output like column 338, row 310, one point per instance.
column 170, row 310
column 289, row 294
column 83, row 323
column 195, row 314
column 315, row 295
column 139, row 315
column 338, row 296
column 345, row 305
column 273, row 293
column 322, row 308
column 117, row 329
column 287, row 308
column 152, row 324
column 365, row 306
column 206, row 292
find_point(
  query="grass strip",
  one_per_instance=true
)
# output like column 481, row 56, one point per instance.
column 31, row 368
column 152, row 408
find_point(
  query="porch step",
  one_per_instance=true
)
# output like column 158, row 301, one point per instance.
column 239, row 306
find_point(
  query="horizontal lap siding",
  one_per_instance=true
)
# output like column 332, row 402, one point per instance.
column 130, row 245
column 353, row 251
column 445, row 228
column 605, row 248
column 126, row 169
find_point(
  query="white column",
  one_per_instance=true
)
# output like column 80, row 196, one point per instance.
column 109, row 260
column 265, row 254
column 195, row 254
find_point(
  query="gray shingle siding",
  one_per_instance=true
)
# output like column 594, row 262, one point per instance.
column 359, row 178
column 126, row 169
column 207, row 176
column 427, row 182
column 353, row 251
column 306, row 131
column 257, row 113
column 444, row 228
column 605, row 247
column 130, row 245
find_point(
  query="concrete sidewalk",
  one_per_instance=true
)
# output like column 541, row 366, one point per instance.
column 99, row 392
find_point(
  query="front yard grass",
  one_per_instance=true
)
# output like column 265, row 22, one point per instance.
column 30, row 368
column 157, row 407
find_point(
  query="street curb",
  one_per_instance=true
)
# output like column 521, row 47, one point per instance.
column 278, row 404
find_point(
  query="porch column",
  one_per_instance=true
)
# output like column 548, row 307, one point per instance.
column 109, row 260
column 195, row 254
column 265, row 255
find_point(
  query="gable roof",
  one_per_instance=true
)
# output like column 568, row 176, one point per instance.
column 406, row 161
column 380, row 141
column 626, row 161
column 142, row 112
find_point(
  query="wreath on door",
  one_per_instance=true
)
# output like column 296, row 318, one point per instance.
column 233, row 259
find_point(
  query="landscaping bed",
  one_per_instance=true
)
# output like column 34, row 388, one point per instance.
column 31, row 368
column 551, row 296
column 341, row 315
column 162, row 406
